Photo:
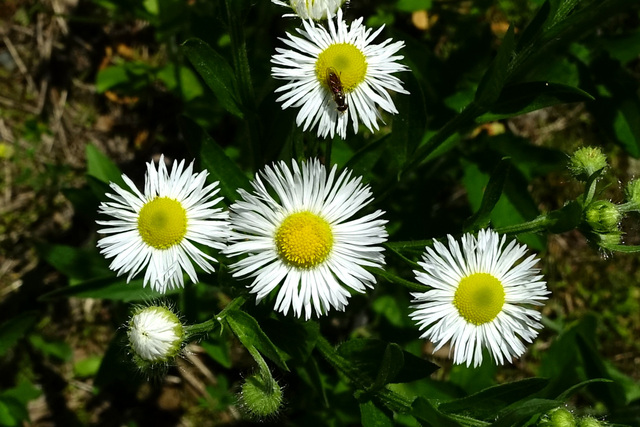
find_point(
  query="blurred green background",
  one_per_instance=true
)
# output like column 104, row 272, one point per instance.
column 91, row 88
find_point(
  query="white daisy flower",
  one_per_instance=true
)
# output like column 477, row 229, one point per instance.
column 157, row 230
column 477, row 296
column 155, row 335
column 311, row 9
column 305, row 237
column 337, row 75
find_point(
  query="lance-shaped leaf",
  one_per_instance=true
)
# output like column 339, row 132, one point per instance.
column 495, row 78
column 248, row 331
column 216, row 73
column 213, row 158
column 491, row 196
column 521, row 98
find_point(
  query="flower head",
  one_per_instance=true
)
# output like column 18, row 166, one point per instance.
column 337, row 75
column 311, row 9
column 157, row 230
column 305, row 237
column 478, row 289
column 155, row 335
column 586, row 161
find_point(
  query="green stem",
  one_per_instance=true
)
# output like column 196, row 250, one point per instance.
column 245, row 83
column 390, row 399
column 536, row 225
column 209, row 325
column 327, row 153
column 465, row 118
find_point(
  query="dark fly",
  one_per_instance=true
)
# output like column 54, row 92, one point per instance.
column 335, row 85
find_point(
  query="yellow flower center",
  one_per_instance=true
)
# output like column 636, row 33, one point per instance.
column 347, row 60
column 304, row 239
column 162, row 222
column 479, row 298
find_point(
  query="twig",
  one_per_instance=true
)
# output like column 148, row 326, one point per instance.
column 16, row 58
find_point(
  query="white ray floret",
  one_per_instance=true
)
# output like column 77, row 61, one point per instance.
column 480, row 290
column 157, row 230
column 364, row 71
column 303, row 235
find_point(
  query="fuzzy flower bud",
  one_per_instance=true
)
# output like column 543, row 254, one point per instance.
column 155, row 335
column 590, row 422
column 586, row 161
column 262, row 397
column 603, row 216
column 312, row 9
column 558, row 417
column 632, row 191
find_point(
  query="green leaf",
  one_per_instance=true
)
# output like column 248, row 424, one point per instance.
column 117, row 368
column 87, row 367
column 409, row 124
column 565, row 219
column 393, row 310
column 486, row 403
column 24, row 392
column 216, row 73
column 575, row 388
column 495, row 78
column 218, row 349
column 372, row 416
column 413, row 5
column 524, row 410
column 612, row 394
column 102, row 168
column 111, row 288
column 12, row 412
column 367, row 355
column 248, row 331
column 624, row 48
column 214, row 159
column 521, row 98
column 14, row 329
column 111, row 77
column 474, row 379
column 76, row 263
column 626, row 125
column 363, row 161
column 533, row 30
column 296, row 339
column 57, row 349
column 391, row 365
column 425, row 411
column 181, row 80
column 492, row 194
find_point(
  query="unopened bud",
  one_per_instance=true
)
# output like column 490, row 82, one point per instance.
column 558, row 417
column 603, row 216
column 590, row 422
column 155, row 335
column 586, row 161
column 262, row 397
column 632, row 191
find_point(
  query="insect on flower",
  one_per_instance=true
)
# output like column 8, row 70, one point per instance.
column 335, row 85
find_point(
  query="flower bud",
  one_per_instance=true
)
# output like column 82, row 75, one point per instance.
column 590, row 422
column 316, row 10
column 559, row 417
column 155, row 335
column 586, row 161
column 632, row 191
column 603, row 216
column 262, row 397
